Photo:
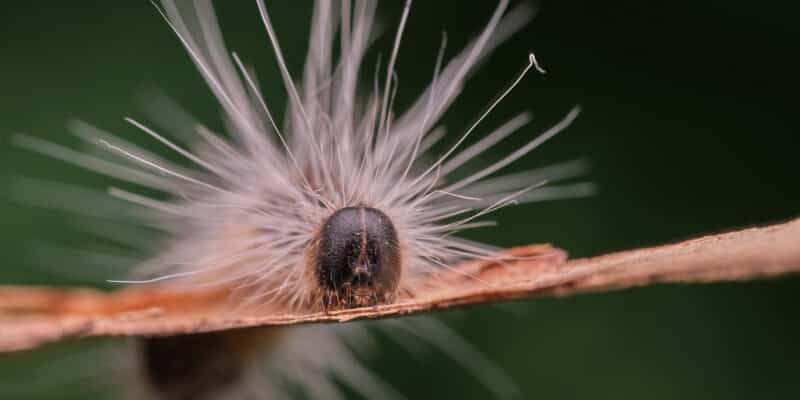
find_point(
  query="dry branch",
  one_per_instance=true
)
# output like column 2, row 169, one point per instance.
column 32, row 316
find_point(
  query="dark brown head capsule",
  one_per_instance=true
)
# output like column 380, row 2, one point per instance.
column 356, row 260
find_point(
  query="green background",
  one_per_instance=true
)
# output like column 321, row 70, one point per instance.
column 690, row 123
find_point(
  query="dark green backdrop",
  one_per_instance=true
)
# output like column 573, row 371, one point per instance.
column 689, row 121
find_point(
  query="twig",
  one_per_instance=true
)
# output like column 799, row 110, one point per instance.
column 32, row 316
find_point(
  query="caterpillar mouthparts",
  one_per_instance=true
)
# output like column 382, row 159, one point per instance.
column 356, row 259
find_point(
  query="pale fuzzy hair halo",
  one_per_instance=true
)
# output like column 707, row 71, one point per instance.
column 246, row 210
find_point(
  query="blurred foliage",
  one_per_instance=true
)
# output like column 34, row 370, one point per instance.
column 689, row 122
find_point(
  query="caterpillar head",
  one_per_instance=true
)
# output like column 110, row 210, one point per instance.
column 355, row 260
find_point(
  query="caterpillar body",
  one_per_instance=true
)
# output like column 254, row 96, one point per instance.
column 345, row 205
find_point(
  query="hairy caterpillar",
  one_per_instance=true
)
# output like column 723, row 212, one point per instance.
column 343, row 206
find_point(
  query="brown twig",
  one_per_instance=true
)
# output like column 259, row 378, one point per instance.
column 31, row 316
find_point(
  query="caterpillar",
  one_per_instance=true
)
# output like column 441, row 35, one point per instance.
column 345, row 204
